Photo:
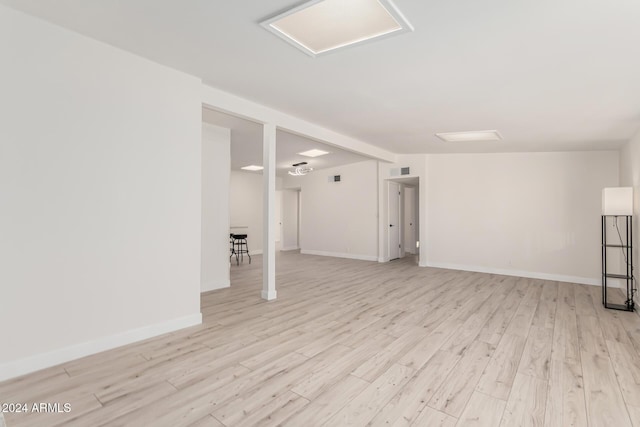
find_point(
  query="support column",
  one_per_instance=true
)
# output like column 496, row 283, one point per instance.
column 269, row 212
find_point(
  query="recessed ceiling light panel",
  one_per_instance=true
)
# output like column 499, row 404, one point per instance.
column 252, row 168
column 313, row 153
column 473, row 136
column 321, row 26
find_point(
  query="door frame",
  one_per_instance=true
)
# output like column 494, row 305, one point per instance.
column 400, row 226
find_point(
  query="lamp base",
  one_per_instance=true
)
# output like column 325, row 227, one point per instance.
column 621, row 307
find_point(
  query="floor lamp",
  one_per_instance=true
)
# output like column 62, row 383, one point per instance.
column 617, row 204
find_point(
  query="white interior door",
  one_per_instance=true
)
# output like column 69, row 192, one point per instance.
column 278, row 217
column 290, row 212
column 394, row 221
column 410, row 220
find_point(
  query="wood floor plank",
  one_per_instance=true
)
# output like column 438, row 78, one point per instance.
column 363, row 408
column 566, row 346
column 208, row 421
column 273, row 412
column 459, row 342
column 521, row 321
column 545, row 314
column 536, row 356
column 381, row 361
column 497, row 378
column 612, row 326
column 413, row 397
column 320, row 380
column 123, row 404
column 25, row 383
column 329, row 403
column 453, row 395
column 427, row 347
column 526, row 404
column 482, row 411
column 584, row 301
column 634, row 413
column 426, row 356
column 500, row 320
column 534, row 291
column 432, row 418
column 626, row 365
column 605, row 404
column 252, row 400
column 632, row 326
column 565, row 397
column 590, row 336
column 199, row 399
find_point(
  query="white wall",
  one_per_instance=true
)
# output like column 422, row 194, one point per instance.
column 529, row 214
column 100, row 196
column 339, row 218
column 630, row 177
column 216, row 158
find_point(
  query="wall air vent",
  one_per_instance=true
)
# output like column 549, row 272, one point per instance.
column 399, row 171
column 334, row 178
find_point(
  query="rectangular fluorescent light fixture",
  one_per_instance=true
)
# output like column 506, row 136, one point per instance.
column 321, row 26
column 313, row 153
column 252, row 168
column 473, row 136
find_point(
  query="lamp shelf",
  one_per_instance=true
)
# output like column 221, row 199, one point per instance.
column 616, row 246
column 617, row 276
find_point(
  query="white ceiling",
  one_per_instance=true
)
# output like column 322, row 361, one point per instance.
column 549, row 75
column 246, row 146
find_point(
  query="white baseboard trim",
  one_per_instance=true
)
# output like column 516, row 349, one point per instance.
column 212, row 286
column 56, row 357
column 520, row 273
column 340, row 255
column 289, row 248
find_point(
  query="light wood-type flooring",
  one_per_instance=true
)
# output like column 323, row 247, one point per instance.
column 360, row 343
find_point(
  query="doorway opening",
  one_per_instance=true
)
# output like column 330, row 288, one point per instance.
column 403, row 227
column 290, row 219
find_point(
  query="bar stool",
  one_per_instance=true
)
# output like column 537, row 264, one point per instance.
column 231, row 246
column 240, row 247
